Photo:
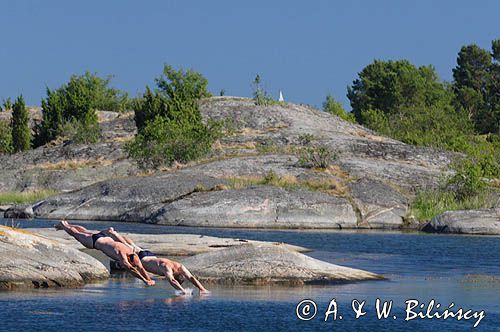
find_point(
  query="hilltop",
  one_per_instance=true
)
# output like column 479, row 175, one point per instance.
column 260, row 174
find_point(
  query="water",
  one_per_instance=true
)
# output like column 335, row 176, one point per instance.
column 459, row 269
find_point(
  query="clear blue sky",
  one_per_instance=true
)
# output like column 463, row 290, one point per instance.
column 308, row 49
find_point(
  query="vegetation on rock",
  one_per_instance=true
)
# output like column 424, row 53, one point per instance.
column 169, row 123
column 21, row 132
column 5, row 138
column 76, row 103
column 330, row 105
column 260, row 95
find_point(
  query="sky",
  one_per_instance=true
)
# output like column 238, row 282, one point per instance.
column 307, row 49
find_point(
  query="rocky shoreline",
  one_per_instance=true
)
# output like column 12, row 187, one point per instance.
column 258, row 175
column 28, row 260
column 52, row 259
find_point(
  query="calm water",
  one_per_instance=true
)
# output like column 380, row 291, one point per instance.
column 459, row 269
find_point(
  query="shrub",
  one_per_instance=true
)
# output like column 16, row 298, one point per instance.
column 164, row 141
column 5, row 138
column 82, row 132
column 317, row 157
column 7, row 104
column 330, row 105
column 305, row 139
column 260, row 95
column 169, row 123
column 21, row 131
column 466, row 189
column 78, row 100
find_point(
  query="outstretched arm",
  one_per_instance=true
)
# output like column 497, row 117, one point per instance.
column 173, row 281
column 193, row 280
column 137, row 271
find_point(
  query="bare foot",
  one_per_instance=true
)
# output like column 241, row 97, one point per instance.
column 150, row 283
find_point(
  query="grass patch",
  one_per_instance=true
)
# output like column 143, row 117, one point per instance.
column 74, row 164
column 25, row 197
column 429, row 204
column 331, row 186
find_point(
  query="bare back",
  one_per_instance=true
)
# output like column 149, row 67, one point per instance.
column 160, row 266
column 111, row 248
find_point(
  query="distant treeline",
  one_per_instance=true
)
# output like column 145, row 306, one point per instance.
column 394, row 98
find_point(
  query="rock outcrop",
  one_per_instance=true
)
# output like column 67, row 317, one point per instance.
column 259, row 207
column 484, row 221
column 380, row 206
column 168, row 244
column 24, row 211
column 257, row 264
column 367, row 185
column 28, row 260
column 127, row 199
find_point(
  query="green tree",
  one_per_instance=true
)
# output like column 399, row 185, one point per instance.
column 77, row 101
column 477, row 85
column 330, row 105
column 7, row 104
column 389, row 86
column 260, row 95
column 170, row 125
column 410, row 104
column 21, row 131
column 5, row 138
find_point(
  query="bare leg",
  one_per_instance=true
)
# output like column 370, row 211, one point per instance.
column 83, row 238
column 123, row 239
column 80, row 228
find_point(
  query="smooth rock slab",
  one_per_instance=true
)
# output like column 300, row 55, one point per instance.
column 484, row 221
column 31, row 261
column 168, row 244
column 257, row 264
column 22, row 211
column 127, row 199
column 259, row 207
column 380, row 205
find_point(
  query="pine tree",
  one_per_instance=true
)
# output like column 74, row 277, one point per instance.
column 20, row 126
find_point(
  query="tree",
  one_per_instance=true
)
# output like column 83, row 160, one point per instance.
column 388, row 86
column 169, row 123
column 260, row 95
column 5, row 137
column 330, row 105
column 77, row 102
column 477, row 85
column 7, row 104
column 20, row 126
column 410, row 104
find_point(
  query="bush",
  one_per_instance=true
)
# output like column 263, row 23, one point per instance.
column 466, row 189
column 164, row 141
column 306, row 139
column 260, row 95
column 5, row 138
column 333, row 107
column 78, row 100
column 82, row 132
column 169, row 123
column 7, row 104
column 317, row 157
column 21, row 131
